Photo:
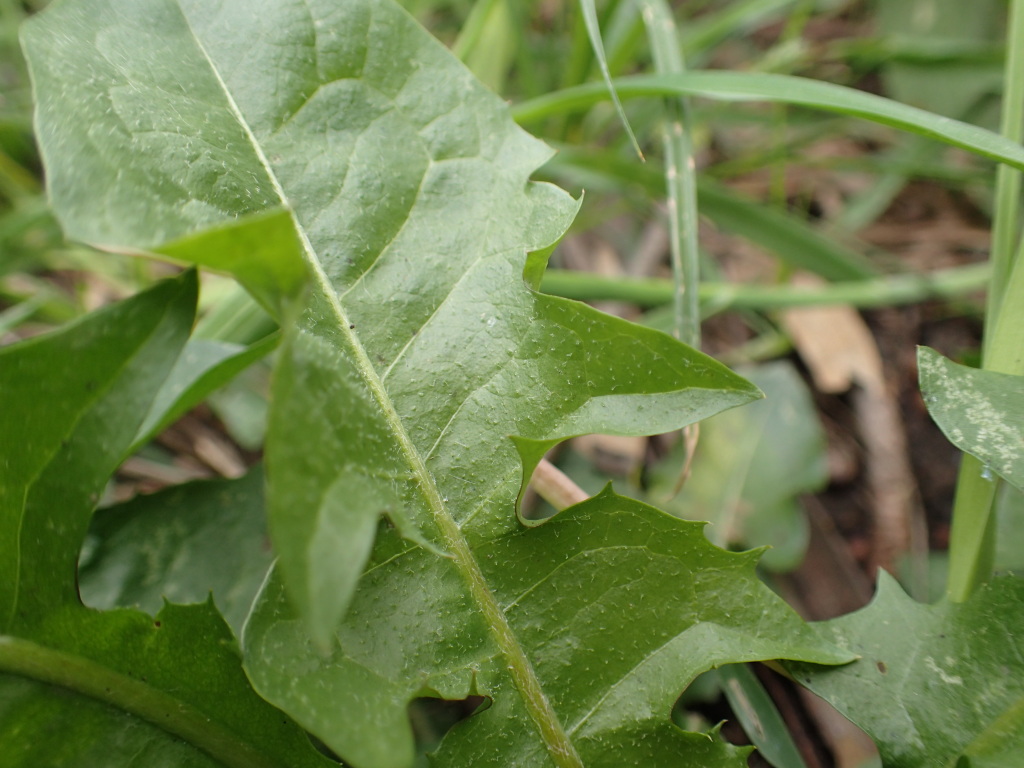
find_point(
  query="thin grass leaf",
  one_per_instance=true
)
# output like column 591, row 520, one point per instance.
column 593, row 27
column 759, row 717
column 680, row 175
column 735, row 86
column 204, row 366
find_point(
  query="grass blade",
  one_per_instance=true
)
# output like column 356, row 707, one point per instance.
column 680, row 178
column 594, row 33
column 757, row 713
column 738, row 86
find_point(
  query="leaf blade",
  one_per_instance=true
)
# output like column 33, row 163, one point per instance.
column 932, row 678
column 72, row 396
column 180, row 545
column 981, row 412
column 135, row 664
column 611, row 687
column 78, row 396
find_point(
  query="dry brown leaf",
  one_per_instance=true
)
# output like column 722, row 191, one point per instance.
column 835, row 344
column 840, row 352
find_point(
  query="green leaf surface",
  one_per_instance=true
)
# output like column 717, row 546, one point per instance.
column 418, row 350
column 933, row 681
column 417, row 324
column 999, row 745
column 242, row 405
column 179, row 671
column 751, row 465
column 617, row 605
column 745, row 86
column 204, row 366
column 180, row 544
column 981, row 412
column 43, row 725
column 75, row 399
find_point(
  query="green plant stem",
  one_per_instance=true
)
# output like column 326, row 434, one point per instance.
column 876, row 292
column 1006, row 354
column 1006, row 225
column 680, row 176
column 85, row 677
column 972, row 536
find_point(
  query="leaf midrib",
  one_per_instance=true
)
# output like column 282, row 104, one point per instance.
column 558, row 744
